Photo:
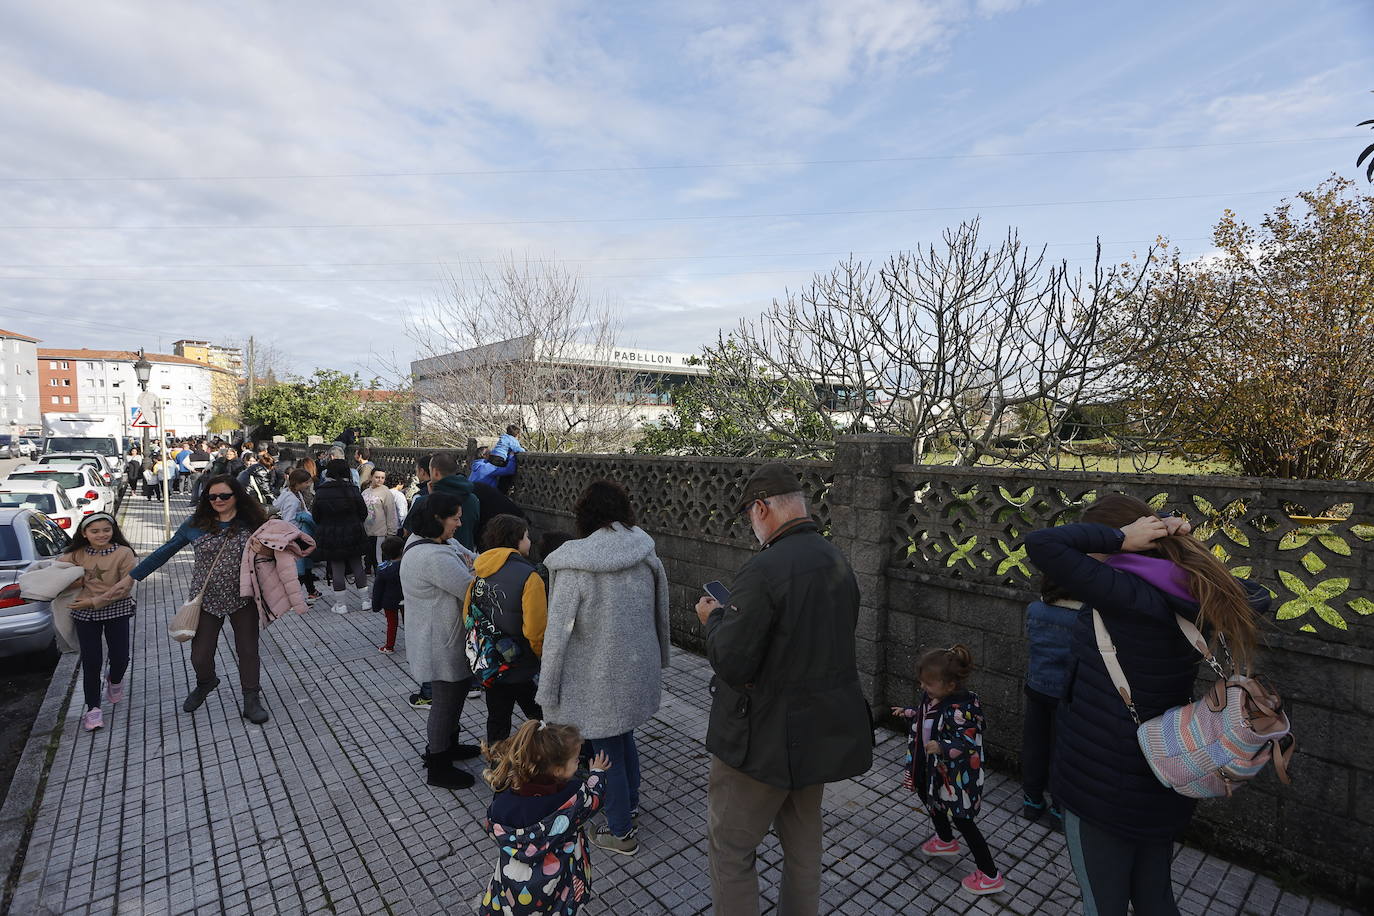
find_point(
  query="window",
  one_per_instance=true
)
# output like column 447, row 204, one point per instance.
column 48, row 539
column 65, row 399
column 90, row 367
column 52, row 383
column 66, row 383
column 52, row 365
column 64, row 365
column 55, row 399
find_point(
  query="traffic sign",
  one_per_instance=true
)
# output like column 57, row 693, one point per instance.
column 140, row 421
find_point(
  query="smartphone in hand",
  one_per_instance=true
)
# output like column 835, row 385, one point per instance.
column 718, row 591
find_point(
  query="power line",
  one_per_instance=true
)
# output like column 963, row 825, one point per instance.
column 443, row 263
column 783, row 163
column 648, row 219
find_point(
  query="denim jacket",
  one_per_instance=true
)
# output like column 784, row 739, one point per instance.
column 1049, row 633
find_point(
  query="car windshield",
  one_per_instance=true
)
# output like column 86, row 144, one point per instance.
column 101, row 445
column 68, row 459
column 42, row 502
column 67, row 480
column 6, row 439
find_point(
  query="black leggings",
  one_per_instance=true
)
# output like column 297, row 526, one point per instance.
column 982, row 856
column 501, row 700
column 89, row 634
column 340, row 570
column 1113, row 870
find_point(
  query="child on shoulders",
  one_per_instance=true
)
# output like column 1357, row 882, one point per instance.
column 538, row 818
column 946, row 760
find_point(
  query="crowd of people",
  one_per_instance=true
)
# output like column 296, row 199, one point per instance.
column 575, row 634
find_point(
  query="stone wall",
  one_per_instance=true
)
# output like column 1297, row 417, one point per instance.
column 938, row 555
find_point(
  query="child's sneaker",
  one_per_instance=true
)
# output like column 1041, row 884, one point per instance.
column 938, row 847
column 979, row 883
column 115, row 692
column 92, row 719
column 1032, row 809
column 387, row 649
column 626, row 845
column 340, row 609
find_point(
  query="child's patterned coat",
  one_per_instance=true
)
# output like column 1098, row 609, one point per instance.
column 545, row 868
column 954, row 776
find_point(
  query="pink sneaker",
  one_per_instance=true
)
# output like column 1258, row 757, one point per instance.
column 979, row 883
column 92, row 719
column 115, row 692
column 938, row 847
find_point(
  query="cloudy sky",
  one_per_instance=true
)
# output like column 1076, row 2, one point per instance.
column 308, row 172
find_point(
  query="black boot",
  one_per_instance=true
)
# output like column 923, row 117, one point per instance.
column 253, row 710
column 196, row 697
column 443, row 774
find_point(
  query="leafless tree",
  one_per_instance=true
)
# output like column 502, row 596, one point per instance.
column 522, row 343
column 981, row 350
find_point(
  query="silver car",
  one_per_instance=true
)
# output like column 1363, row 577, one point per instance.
column 25, row 537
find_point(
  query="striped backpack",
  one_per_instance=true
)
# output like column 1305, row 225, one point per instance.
column 1206, row 748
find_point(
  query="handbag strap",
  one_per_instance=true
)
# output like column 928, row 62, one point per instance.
column 213, row 563
column 1118, row 674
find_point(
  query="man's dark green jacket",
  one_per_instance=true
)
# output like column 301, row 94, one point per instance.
column 787, row 708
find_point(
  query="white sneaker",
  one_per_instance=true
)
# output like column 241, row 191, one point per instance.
column 340, row 609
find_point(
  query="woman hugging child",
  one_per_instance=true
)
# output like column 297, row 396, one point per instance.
column 538, row 817
column 946, row 765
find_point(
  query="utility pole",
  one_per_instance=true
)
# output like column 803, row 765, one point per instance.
column 252, row 368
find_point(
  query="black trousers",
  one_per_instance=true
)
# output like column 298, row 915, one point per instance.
column 89, row 634
column 1037, row 743
column 501, row 701
column 982, row 856
column 339, row 570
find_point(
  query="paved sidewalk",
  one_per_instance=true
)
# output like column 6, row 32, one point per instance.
column 325, row 810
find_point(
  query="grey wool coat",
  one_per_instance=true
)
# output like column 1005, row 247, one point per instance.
column 435, row 579
column 606, row 642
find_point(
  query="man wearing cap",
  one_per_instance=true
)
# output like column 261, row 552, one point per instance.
column 787, row 714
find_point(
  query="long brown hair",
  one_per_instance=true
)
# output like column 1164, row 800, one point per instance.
column 247, row 510
column 952, row 665
column 1225, row 608
column 536, row 749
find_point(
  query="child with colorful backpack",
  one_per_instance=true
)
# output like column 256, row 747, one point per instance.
column 946, row 760
column 505, row 615
column 538, row 818
column 387, row 596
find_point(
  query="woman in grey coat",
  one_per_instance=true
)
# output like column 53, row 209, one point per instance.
column 606, row 644
column 435, row 574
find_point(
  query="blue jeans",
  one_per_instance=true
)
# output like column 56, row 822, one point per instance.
column 622, row 780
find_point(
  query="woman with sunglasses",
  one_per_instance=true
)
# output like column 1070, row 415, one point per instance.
column 225, row 517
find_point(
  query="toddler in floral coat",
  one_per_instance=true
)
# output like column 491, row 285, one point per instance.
column 945, row 762
column 538, row 817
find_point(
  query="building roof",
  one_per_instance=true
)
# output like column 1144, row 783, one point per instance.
column 122, row 356
column 379, row 394
column 4, row 333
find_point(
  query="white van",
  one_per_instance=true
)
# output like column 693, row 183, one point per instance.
column 83, row 432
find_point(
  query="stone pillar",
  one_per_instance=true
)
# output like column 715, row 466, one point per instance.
column 861, row 522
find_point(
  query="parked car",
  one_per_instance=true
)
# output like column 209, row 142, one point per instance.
column 83, row 484
column 43, row 496
column 15, row 446
column 90, row 459
column 25, row 537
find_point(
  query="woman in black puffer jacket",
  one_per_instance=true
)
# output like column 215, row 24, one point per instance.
column 1137, row 570
column 340, row 540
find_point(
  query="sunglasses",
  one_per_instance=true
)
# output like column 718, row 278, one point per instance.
column 219, row 496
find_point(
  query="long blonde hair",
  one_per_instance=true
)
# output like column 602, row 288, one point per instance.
column 1224, row 607
column 536, row 749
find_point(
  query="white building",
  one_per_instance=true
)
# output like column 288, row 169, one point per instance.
column 103, row 382
column 19, row 407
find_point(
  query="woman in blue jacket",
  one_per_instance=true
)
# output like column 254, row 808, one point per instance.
column 1119, row 819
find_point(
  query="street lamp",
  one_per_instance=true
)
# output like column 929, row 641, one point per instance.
column 202, row 421
column 143, row 370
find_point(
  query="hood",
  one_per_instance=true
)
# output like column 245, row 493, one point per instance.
column 489, row 562
column 1163, row 574
column 279, row 534
column 456, row 484
column 604, row 550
